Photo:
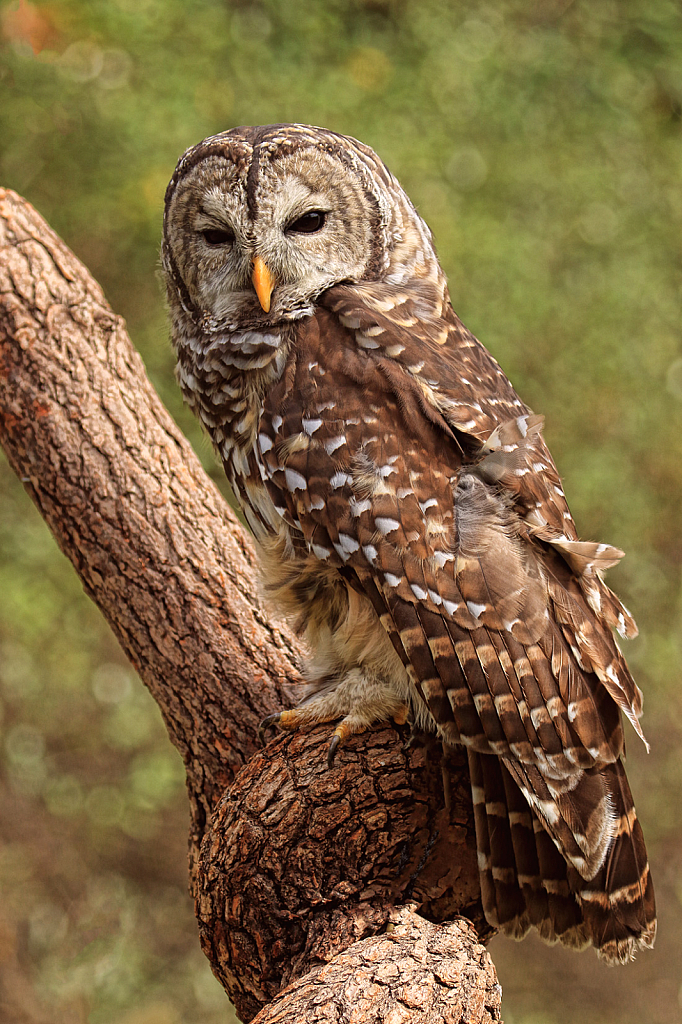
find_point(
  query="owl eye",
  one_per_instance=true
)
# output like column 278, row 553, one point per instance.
column 218, row 236
column 309, row 222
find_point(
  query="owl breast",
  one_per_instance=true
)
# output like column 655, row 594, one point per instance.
column 225, row 381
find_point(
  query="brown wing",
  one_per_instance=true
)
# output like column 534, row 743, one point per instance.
column 358, row 439
column 416, row 328
column 485, row 603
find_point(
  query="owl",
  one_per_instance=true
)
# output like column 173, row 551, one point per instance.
column 408, row 514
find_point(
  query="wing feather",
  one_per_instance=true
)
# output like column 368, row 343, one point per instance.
column 449, row 554
column 448, row 511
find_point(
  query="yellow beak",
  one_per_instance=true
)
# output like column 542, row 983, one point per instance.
column 263, row 282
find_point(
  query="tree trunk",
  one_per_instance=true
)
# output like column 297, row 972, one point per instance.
column 303, row 876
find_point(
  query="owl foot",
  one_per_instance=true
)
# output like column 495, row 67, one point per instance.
column 294, row 719
column 348, row 726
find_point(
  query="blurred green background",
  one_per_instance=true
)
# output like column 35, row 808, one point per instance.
column 542, row 141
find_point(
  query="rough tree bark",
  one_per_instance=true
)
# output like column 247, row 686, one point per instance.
column 319, row 893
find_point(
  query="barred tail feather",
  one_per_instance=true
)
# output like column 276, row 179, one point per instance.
column 523, row 876
column 528, row 880
column 618, row 904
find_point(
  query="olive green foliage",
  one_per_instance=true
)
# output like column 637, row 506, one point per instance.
column 542, row 141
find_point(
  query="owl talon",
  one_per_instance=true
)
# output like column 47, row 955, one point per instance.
column 289, row 720
column 267, row 722
column 341, row 734
column 334, row 744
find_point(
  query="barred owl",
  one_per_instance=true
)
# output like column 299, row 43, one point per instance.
column 409, row 515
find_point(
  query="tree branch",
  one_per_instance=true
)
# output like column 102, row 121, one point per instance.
column 291, row 864
column 416, row 972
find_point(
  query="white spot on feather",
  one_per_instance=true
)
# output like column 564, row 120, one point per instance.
column 340, row 552
column 386, row 525
column 310, row 426
column 613, row 676
column 357, row 507
column 333, row 443
column 294, row 480
column 441, row 558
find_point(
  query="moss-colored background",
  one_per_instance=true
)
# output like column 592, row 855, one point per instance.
column 542, row 140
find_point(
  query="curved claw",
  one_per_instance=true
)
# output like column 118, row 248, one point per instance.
column 265, row 724
column 341, row 734
column 334, row 744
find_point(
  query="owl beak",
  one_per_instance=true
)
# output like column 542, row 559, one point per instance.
column 263, row 282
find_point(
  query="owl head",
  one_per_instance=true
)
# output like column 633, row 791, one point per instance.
column 260, row 221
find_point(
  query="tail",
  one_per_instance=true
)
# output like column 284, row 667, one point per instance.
column 528, row 854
